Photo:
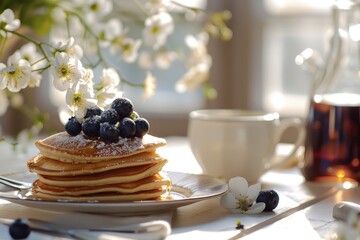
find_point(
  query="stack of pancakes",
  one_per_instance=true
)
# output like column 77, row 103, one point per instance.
column 76, row 168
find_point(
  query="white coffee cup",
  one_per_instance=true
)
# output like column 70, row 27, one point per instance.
column 229, row 143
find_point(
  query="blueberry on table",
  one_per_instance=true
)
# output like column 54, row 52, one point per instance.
column 123, row 106
column 109, row 115
column 108, row 132
column 127, row 128
column 95, row 111
column 142, row 127
column 73, row 127
column 91, row 126
column 19, row 229
column 270, row 198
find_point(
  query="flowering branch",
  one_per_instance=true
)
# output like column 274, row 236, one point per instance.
column 75, row 26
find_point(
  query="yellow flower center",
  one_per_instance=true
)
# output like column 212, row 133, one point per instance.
column 94, row 7
column 155, row 29
column 63, row 71
column 243, row 203
column 77, row 100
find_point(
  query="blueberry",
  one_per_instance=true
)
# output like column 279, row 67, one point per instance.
column 123, row 106
column 108, row 132
column 73, row 127
column 109, row 115
column 90, row 112
column 142, row 127
column 127, row 128
column 270, row 198
column 91, row 126
column 19, row 229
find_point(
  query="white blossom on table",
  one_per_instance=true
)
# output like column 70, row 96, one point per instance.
column 240, row 198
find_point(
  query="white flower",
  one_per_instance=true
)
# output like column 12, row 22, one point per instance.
column 105, row 96
column 145, row 60
column 157, row 29
column 16, row 75
column 198, row 49
column 8, row 22
column 130, row 49
column 157, row 5
column 66, row 71
column 69, row 47
column 109, row 31
column 149, row 85
column 240, row 197
column 162, row 59
column 193, row 78
column 78, row 99
column 29, row 53
column 109, row 78
column 88, row 75
column 35, row 79
column 165, row 58
column 4, row 102
column 96, row 9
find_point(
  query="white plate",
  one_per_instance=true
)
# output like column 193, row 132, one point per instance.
column 187, row 189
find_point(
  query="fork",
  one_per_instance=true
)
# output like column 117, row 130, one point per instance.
column 15, row 183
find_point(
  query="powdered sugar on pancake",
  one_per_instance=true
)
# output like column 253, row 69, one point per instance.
column 64, row 147
column 124, row 145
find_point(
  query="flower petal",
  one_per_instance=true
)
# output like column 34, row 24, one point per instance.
column 238, row 186
column 253, row 191
column 228, row 201
column 256, row 208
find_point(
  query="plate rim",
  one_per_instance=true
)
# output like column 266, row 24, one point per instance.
column 220, row 185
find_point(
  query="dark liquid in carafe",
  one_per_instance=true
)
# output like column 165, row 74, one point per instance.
column 332, row 145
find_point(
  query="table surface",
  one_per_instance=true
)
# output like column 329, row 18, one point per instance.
column 304, row 211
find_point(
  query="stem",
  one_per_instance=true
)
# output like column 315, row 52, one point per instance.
column 38, row 44
column 41, row 59
column 141, row 7
column 187, row 7
column 2, row 47
column 41, row 70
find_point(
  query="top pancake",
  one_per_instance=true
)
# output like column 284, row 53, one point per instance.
column 80, row 149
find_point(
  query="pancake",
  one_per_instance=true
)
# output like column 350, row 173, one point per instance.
column 150, row 183
column 121, row 175
column 50, row 167
column 103, row 197
column 80, row 149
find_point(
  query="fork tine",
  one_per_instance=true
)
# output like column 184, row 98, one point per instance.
column 9, row 184
column 13, row 181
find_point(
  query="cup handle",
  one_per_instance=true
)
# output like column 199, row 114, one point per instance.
column 285, row 124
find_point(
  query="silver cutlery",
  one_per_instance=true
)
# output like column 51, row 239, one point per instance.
column 20, row 185
column 150, row 230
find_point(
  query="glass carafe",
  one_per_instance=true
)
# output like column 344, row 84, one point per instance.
column 332, row 145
